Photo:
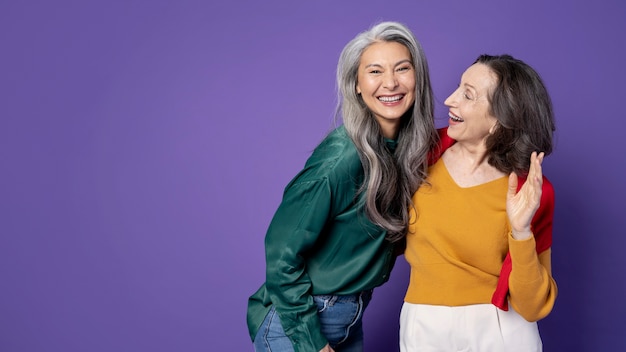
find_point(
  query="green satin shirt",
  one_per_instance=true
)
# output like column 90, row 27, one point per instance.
column 320, row 242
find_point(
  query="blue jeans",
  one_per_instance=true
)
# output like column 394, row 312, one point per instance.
column 340, row 318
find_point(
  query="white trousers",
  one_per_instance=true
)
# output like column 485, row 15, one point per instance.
column 475, row 328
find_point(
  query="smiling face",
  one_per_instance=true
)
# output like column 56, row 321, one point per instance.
column 470, row 118
column 386, row 83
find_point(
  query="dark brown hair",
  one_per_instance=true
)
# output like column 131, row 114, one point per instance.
column 521, row 103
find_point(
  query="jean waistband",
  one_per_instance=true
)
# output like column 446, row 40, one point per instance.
column 367, row 294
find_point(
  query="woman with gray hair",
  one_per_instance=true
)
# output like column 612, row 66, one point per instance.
column 342, row 220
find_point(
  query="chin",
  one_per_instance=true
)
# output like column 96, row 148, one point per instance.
column 450, row 130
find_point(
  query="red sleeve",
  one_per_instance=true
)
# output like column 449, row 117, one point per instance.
column 444, row 143
column 541, row 225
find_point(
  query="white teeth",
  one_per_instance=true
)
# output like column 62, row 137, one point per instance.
column 455, row 118
column 390, row 99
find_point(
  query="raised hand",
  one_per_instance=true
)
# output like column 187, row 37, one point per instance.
column 521, row 206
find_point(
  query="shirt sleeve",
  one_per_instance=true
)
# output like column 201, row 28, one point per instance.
column 532, row 288
column 294, row 230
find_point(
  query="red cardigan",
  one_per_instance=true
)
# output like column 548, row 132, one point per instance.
column 541, row 224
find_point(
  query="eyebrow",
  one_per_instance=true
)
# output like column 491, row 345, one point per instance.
column 469, row 85
column 395, row 65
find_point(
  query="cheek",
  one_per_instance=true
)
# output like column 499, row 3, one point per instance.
column 409, row 82
column 365, row 85
column 411, row 97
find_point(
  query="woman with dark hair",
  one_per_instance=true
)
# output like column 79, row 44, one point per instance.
column 480, row 235
column 342, row 220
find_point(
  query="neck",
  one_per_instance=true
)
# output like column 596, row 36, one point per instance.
column 472, row 157
column 469, row 166
column 389, row 129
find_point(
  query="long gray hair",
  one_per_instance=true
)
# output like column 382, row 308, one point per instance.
column 391, row 178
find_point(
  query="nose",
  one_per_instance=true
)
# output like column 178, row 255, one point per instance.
column 451, row 100
column 389, row 80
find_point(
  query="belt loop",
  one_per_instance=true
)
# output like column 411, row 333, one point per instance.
column 332, row 300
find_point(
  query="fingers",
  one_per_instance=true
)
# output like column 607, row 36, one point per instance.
column 533, row 186
column 327, row 348
column 522, row 204
column 535, row 173
column 512, row 185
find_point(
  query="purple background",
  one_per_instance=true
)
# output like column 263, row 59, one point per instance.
column 145, row 146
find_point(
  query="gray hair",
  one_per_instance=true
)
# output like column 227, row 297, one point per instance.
column 391, row 177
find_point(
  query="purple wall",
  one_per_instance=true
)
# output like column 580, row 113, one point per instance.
column 145, row 146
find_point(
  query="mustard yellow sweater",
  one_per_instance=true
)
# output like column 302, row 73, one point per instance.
column 456, row 245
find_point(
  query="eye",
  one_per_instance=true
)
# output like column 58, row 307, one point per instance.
column 467, row 95
column 375, row 71
column 403, row 68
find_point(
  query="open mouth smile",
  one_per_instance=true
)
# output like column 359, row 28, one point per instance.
column 391, row 99
column 454, row 117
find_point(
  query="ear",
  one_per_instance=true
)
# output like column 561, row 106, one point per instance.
column 494, row 128
column 358, row 89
